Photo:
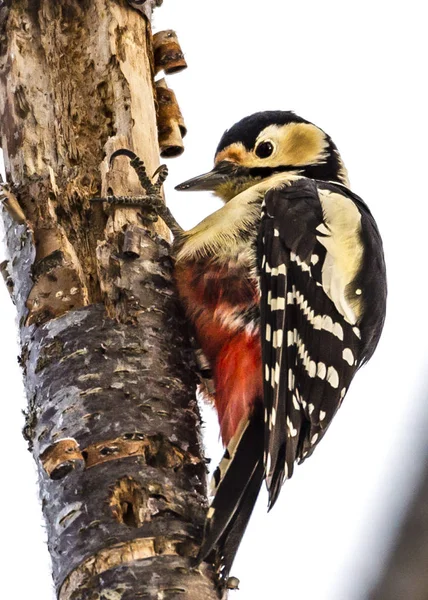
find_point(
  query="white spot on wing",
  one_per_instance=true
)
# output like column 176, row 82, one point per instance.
column 277, row 303
column 321, row 370
column 295, row 403
column 322, row 415
column 277, row 372
column 299, row 262
column 268, row 332
column 312, row 367
column 324, row 322
column 348, row 356
column 277, row 338
column 291, row 430
column 333, row 377
column 338, row 331
column 279, row 270
column 290, row 380
column 317, row 322
column 314, row 438
column 285, row 476
column 327, row 323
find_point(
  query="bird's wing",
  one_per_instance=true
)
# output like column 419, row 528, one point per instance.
column 323, row 290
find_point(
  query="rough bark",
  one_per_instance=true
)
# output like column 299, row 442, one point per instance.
column 112, row 421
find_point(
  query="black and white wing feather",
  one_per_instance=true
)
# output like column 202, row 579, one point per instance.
column 323, row 294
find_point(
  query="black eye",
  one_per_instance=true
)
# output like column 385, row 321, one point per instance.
column 264, row 149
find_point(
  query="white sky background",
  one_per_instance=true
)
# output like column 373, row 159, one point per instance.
column 359, row 73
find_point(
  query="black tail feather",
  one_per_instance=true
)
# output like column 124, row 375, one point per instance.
column 235, row 496
column 229, row 543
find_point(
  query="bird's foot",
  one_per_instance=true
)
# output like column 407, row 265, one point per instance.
column 152, row 202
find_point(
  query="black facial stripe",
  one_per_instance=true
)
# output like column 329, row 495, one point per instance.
column 268, row 171
column 323, row 171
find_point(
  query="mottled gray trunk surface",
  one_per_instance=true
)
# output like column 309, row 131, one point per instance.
column 112, row 419
column 113, row 424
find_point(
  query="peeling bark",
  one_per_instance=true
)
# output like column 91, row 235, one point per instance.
column 112, row 419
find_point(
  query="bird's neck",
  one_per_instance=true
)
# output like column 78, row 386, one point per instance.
column 254, row 185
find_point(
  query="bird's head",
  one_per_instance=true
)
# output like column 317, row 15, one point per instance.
column 265, row 144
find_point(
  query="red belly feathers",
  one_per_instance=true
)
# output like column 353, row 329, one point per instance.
column 215, row 296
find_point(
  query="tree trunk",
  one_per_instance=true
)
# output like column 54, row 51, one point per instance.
column 112, row 420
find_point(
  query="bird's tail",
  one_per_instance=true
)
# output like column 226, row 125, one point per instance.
column 237, row 481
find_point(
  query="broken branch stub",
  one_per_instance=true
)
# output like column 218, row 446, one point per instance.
column 60, row 458
column 168, row 55
column 171, row 127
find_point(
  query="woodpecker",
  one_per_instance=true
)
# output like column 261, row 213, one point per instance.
column 285, row 286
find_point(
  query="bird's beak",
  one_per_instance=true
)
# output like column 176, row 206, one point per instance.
column 222, row 172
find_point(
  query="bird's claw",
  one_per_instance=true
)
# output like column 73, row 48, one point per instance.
column 152, row 205
column 139, row 167
column 152, row 202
